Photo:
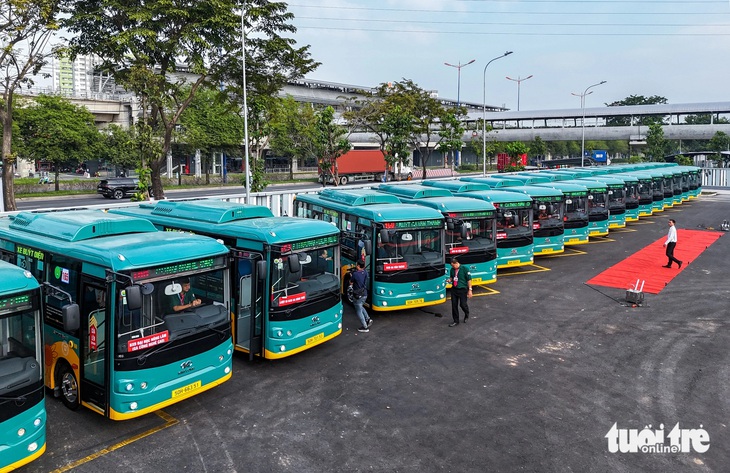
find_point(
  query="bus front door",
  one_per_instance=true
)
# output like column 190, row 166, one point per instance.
column 250, row 306
column 94, row 345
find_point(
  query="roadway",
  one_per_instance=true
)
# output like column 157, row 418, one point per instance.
column 534, row 382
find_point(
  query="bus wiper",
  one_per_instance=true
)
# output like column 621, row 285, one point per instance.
column 21, row 398
column 142, row 359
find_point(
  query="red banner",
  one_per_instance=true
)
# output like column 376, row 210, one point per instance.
column 92, row 338
column 457, row 250
column 501, row 235
column 395, row 266
column 293, row 299
column 148, row 341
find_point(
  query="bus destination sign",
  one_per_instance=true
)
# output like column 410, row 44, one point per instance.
column 13, row 303
column 189, row 266
column 315, row 242
column 413, row 224
column 480, row 214
column 512, row 205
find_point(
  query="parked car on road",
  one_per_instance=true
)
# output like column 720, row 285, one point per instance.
column 117, row 188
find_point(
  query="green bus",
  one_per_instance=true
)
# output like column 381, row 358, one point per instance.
column 616, row 192
column 470, row 227
column 22, row 401
column 548, row 210
column 407, row 269
column 575, row 216
column 284, row 271
column 515, row 244
column 117, row 337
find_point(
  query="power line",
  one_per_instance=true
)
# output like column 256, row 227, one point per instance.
column 492, row 23
column 510, row 33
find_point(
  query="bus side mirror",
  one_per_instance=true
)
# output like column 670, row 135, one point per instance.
column 384, row 236
column 368, row 247
column 450, row 224
column 261, row 270
column 463, row 231
column 71, row 317
column 294, row 265
column 134, row 297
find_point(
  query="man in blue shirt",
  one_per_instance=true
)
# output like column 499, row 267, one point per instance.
column 359, row 283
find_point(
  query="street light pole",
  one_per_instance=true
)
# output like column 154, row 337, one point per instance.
column 245, row 108
column 458, row 94
column 484, row 111
column 583, row 120
column 519, row 82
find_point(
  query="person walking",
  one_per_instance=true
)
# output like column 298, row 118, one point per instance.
column 359, row 284
column 460, row 280
column 671, row 243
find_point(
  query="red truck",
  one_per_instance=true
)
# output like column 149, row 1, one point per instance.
column 363, row 165
column 504, row 161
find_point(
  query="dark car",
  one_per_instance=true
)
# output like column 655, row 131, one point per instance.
column 117, row 188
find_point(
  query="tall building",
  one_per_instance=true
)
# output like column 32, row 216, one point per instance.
column 80, row 77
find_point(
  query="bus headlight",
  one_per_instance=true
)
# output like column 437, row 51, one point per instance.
column 227, row 370
column 288, row 333
column 129, row 387
column 282, row 348
column 339, row 326
column 385, row 303
column 37, row 422
column 229, row 352
column 33, row 447
column 442, row 296
column 220, row 358
column 390, row 293
column 143, row 385
column 279, row 333
column 382, row 291
column 133, row 406
column 21, row 432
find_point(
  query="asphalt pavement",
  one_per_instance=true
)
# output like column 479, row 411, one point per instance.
column 547, row 373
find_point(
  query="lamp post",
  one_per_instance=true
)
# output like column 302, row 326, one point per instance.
column 484, row 110
column 458, row 93
column 245, row 107
column 519, row 82
column 583, row 120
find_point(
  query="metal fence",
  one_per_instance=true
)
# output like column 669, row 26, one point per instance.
column 715, row 177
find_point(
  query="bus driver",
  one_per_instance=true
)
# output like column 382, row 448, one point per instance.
column 184, row 300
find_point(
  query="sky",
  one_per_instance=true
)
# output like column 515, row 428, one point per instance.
column 675, row 49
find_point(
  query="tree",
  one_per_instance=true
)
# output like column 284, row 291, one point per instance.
column 120, row 147
column 426, row 112
column 293, row 131
column 515, row 150
column 55, row 130
column 211, row 124
column 635, row 100
column 146, row 45
column 704, row 119
column 330, row 141
column 656, row 145
column 719, row 142
column 538, row 147
column 26, row 27
column 452, row 130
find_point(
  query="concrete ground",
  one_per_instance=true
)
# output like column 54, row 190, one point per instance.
column 534, row 382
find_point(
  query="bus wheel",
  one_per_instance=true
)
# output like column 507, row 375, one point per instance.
column 69, row 388
column 347, row 295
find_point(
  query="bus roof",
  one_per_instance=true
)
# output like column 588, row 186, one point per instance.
column 116, row 245
column 494, row 182
column 589, row 184
column 271, row 230
column 414, row 191
column 211, row 211
column 458, row 186
column 536, row 191
column 15, row 279
column 499, row 197
column 611, row 181
column 358, row 197
column 566, row 187
column 379, row 212
column 447, row 203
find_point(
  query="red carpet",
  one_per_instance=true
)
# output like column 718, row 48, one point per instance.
column 646, row 264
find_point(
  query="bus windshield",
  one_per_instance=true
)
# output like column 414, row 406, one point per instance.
column 575, row 208
column 548, row 214
column 313, row 276
column 513, row 222
column 173, row 308
column 20, row 355
column 411, row 249
column 479, row 235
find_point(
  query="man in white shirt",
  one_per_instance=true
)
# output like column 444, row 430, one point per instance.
column 670, row 243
